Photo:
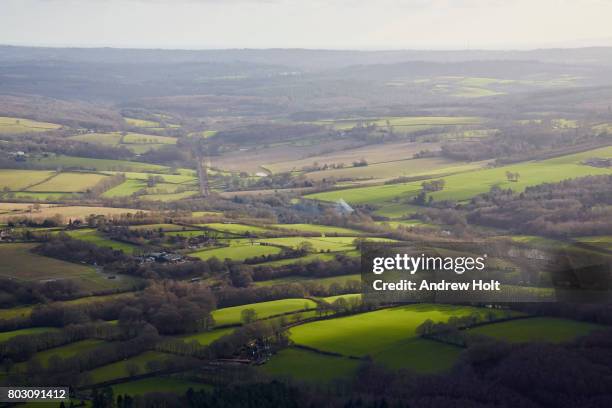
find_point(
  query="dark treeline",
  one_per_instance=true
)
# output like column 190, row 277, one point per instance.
column 515, row 142
column 570, row 208
column 488, row 374
column 341, row 265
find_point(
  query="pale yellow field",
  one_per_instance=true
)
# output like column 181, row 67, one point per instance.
column 69, row 182
column 67, row 212
column 17, row 180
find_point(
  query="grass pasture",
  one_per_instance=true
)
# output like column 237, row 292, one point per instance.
column 22, row 264
column 401, row 168
column 237, row 252
column 319, row 229
column 10, row 125
column 86, row 163
column 68, row 183
column 308, row 366
column 4, row 336
column 97, row 238
column 403, row 123
column 69, row 350
column 420, row 355
column 465, row 185
column 120, row 369
column 232, row 228
column 125, row 189
column 205, row 338
column 66, row 212
column 231, row 315
column 352, row 335
column 16, row 180
column 537, row 329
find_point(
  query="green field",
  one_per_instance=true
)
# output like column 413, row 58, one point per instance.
column 601, row 241
column 19, row 125
column 22, row 264
column 352, row 335
column 239, row 229
column 304, row 259
column 320, row 229
column 109, row 139
column 333, row 244
column 69, row 183
column 231, row 315
column 350, row 296
column 157, row 227
column 141, row 123
column 404, row 123
column 205, row 338
column 303, row 365
column 545, row 329
column 97, row 238
column 401, row 168
column 158, row 384
column 25, row 311
column 4, row 336
column 465, row 185
column 237, row 252
column 125, row 189
column 16, row 180
column 120, row 369
column 69, row 350
column 98, row 164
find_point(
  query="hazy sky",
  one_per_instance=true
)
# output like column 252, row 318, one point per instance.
column 355, row 24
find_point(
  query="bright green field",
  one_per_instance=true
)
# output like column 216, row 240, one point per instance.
column 231, row 315
column 465, row 185
column 303, row 365
column 205, row 338
column 239, row 229
column 322, row 229
column 304, row 259
column 157, row 384
column 69, row 183
column 374, row 332
column 237, row 252
column 125, row 189
column 19, row 125
column 119, row 369
column 97, row 238
column 19, row 179
column 545, row 329
column 4, row 336
column 331, row 299
column 333, row 244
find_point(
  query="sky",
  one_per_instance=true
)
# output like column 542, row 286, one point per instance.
column 331, row 24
